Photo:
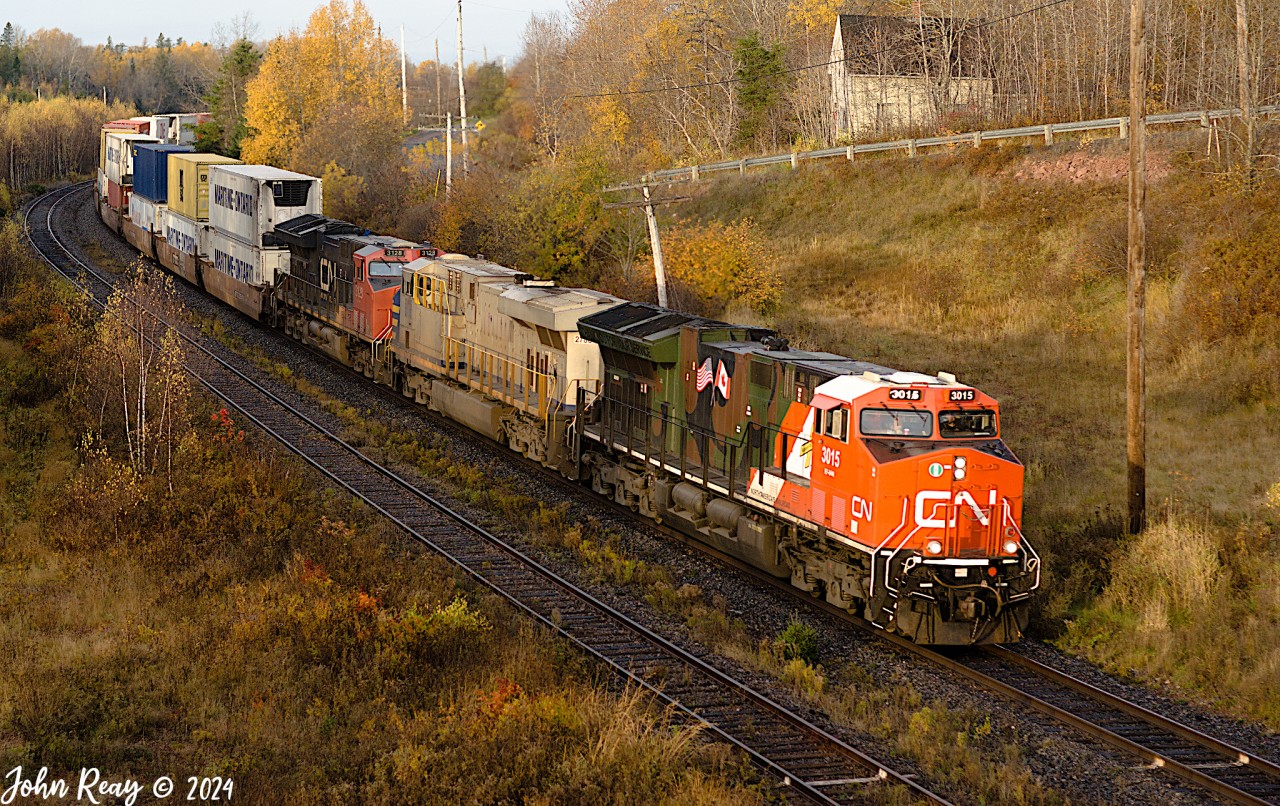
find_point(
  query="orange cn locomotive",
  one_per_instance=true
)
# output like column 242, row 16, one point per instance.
column 888, row 493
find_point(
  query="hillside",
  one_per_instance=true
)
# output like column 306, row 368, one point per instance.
column 1006, row 267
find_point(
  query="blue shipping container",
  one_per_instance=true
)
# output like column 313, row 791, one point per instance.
column 151, row 169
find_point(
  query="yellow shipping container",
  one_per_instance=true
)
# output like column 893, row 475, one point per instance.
column 189, row 183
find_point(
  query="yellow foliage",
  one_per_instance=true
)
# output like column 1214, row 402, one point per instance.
column 813, row 13
column 718, row 262
column 337, row 66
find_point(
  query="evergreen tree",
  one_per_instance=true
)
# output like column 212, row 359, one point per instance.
column 10, row 59
column 760, row 83
column 226, row 99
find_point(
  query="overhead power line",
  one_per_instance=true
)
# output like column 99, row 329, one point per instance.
column 789, row 70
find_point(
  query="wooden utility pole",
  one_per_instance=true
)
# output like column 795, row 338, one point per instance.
column 1246, row 95
column 655, row 243
column 404, row 86
column 462, row 93
column 1136, row 408
column 439, row 99
column 448, row 155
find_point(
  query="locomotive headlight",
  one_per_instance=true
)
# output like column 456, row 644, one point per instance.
column 1010, row 547
column 933, row 547
column 961, row 462
column 959, row 473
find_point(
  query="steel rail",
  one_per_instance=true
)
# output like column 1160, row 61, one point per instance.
column 806, row 773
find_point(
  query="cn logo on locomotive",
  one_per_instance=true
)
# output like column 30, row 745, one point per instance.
column 941, row 499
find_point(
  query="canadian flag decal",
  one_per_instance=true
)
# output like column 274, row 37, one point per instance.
column 722, row 381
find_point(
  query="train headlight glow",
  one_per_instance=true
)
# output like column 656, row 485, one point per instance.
column 961, row 462
column 1010, row 547
column 933, row 547
column 959, row 473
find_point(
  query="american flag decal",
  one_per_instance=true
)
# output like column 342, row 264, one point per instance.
column 704, row 375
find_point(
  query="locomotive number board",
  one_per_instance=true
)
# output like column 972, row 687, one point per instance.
column 963, row 395
column 904, row 394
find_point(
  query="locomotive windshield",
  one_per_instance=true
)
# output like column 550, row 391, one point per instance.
column 896, row 423
column 380, row 268
column 967, row 424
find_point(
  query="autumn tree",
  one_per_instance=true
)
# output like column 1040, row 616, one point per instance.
column 141, row 391
column 336, row 81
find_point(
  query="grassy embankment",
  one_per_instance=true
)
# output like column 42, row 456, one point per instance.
column 1018, row 286
column 231, row 617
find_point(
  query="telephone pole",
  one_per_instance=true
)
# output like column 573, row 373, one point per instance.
column 439, row 100
column 1246, row 95
column 655, row 243
column 404, row 86
column 462, row 93
column 1136, row 403
column 448, row 155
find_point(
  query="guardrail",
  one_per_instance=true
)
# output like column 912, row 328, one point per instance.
column 912, row 146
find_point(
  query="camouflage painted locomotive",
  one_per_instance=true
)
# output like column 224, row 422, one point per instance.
column 888, row 493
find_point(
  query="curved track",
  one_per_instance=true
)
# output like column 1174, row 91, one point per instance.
column 809, row 760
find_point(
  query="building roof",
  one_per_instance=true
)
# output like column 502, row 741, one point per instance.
column 906, row 46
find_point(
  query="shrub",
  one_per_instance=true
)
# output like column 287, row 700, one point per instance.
column 708, row 265
column 798, row 641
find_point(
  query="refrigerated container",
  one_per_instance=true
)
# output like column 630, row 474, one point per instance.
column 119, row 155
column 247, row 201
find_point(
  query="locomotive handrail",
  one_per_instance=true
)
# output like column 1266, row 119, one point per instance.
column 1033, row 562
column 905, row 503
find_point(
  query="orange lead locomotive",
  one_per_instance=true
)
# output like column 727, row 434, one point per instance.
column 888, row 493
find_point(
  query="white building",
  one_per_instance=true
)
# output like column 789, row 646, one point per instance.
column 894, row 74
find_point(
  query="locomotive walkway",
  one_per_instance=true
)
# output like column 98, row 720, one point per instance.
column 803, row 756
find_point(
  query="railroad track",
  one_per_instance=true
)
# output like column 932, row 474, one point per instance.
column 804, row 757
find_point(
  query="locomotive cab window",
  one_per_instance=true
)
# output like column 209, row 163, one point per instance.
column 967, row 424
column 835, row 423
column 895, row 423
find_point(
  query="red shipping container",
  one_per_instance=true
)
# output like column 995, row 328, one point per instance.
column 118, row 196
column 134, row 126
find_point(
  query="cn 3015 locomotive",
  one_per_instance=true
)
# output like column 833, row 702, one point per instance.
column 888, row 493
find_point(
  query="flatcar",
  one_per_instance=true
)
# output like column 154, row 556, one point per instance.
column 890, row 494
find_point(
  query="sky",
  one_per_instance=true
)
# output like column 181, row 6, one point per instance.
column 492, row 24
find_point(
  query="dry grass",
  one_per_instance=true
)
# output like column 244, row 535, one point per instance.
column 1017, row 287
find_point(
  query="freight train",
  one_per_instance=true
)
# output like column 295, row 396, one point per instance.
column 887, row 493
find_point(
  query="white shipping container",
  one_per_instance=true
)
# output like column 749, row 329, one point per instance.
column 175, row 128
column 249, row 264
column 144, row 213
column 247, row 201
column 120, row 156
column 182, row 233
